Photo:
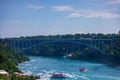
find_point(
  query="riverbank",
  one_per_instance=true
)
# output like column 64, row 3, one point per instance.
column 8, row 64
column 9, row 59
column 97, row 58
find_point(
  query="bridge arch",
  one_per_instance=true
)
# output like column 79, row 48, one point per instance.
column 64, row 41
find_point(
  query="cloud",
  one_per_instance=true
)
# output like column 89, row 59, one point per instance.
column 75, row 14
column 113, row 2
column 93, row 14
column 35, row 7
column 108, row 1
column 62, row 8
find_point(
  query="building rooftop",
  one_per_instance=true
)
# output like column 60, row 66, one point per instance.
column 3, row 72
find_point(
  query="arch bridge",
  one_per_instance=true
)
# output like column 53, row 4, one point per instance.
column 20, row 45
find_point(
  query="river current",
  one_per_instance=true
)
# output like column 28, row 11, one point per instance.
column 46, row 66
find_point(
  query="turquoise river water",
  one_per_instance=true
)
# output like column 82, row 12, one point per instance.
column 46, row 66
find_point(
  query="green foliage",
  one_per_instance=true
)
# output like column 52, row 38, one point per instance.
column 75, row 36
column 3, row 77
column 114, row 52
column 9, row 60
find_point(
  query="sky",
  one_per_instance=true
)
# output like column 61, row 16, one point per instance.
column 52, row 17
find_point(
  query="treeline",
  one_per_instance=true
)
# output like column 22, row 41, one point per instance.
column 73, row 36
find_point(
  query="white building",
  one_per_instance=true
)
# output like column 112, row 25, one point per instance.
column 3, row 72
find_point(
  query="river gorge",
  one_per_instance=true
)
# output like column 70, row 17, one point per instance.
column 45, row 66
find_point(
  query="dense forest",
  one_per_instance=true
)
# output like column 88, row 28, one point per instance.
column 72, row 36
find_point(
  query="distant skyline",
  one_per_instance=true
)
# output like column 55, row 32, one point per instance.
column 52, row 17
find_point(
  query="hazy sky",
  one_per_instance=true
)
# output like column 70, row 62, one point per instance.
column 47, row 17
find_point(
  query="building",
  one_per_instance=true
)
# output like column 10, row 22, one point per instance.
column 3, row 72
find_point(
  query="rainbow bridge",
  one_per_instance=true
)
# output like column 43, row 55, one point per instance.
column 21, row 45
